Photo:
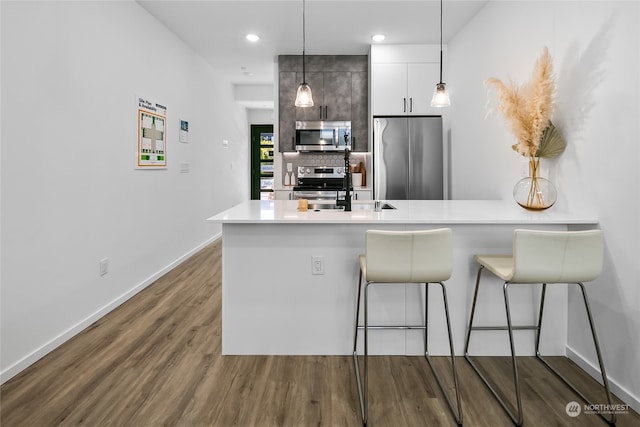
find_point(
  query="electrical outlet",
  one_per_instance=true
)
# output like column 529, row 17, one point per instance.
column 104, row 266
column 317, row 265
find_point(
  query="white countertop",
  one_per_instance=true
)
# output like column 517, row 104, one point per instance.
column 406, row 212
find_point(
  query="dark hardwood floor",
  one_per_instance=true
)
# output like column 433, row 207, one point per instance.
column 155, row 361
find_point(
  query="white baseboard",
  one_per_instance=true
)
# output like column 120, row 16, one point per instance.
column 594, row 371
column 48, row 347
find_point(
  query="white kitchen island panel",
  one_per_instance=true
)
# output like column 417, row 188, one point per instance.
column 273, row 304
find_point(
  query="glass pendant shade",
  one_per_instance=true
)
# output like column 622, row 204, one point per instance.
column 303, row 96
column 440, row 96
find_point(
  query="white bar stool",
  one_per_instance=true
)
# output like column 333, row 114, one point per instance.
column 405, row 257
column 542, row 257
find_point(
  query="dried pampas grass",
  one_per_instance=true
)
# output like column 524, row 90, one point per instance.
column 528, row 109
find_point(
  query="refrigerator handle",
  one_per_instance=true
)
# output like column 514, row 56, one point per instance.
column 411, row 105
column 404, row 108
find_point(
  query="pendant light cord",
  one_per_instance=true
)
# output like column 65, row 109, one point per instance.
column 440, row 41
column 304, row 74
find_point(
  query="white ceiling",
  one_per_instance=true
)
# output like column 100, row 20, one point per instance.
column 216, row 29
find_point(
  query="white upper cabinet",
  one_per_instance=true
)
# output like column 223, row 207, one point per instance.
column 421, row 83
column 389, row 88
column 403, row 78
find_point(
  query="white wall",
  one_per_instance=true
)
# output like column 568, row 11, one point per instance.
column 254, row 96
column 71, row 72
column 596, row 49
column 260, row 116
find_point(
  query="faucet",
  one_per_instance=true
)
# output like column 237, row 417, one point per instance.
column 346, row 186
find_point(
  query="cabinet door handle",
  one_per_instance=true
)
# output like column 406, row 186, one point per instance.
column 404, row 108
column 411, row 105
column 320, row 108
column 326, row 112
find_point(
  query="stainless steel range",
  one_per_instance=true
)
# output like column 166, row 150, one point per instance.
column 319, row 183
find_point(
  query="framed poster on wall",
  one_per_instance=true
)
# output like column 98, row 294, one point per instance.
column 151, row 150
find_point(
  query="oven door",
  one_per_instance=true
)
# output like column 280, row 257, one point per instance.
column 320, row 194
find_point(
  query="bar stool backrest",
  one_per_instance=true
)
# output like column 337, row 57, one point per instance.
column 557, row 256
column 409, row 256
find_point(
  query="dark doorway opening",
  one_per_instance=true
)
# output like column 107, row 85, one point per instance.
column 262, row 172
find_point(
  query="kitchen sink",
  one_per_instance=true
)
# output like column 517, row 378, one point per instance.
column 373, row 206
column 324, row 207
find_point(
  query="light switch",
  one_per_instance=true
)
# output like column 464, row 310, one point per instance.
column 317, row 265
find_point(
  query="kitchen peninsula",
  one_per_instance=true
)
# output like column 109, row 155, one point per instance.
column 289, row 277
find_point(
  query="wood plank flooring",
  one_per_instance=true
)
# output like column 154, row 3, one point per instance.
column 155, row 361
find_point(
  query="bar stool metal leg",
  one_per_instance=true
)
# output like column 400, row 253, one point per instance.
column 457, row 409
column 366, row 354
column 516, row 418
column 361, row 397
column 514, row 363
column 612, row 419
column 473, row 311
column 355, row 331
column 426, row 318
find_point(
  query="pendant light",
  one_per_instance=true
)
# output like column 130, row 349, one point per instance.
column 440, row 94
column 303, row 96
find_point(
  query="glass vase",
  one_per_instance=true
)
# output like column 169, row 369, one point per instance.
column 534, row 192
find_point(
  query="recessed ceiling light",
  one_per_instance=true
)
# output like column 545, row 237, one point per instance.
column 252, row 37
column 378, row 37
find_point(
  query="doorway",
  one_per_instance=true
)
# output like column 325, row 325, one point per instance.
column 262, row 184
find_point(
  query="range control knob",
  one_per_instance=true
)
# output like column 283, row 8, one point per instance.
column 307, row 170
column 339, row 170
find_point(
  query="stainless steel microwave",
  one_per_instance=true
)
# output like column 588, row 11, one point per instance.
column 323, row 136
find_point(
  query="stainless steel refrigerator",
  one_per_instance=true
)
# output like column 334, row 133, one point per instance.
column 407, row 158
